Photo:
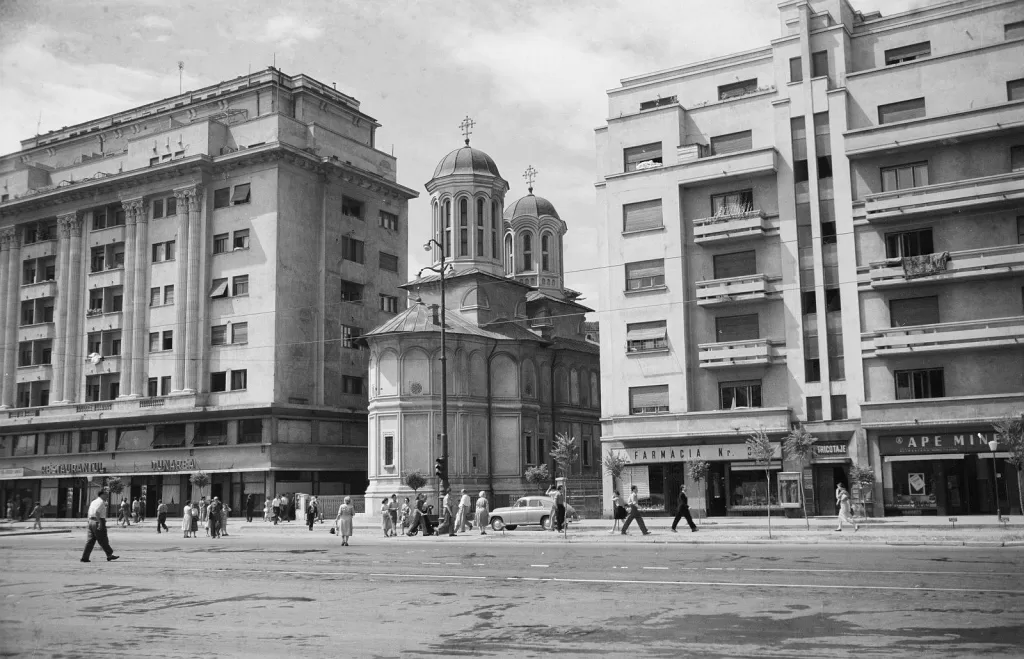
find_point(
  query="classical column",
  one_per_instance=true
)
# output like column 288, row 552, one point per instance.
column 181, row 293
column 75, row 326
column 196, row 289
column 11, row 318
column 5, row 256
column 61, row 312
column 131, row 213
column 141, row 304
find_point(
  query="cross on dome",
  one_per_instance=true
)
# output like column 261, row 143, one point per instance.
column 466, row 126
column 530, row 175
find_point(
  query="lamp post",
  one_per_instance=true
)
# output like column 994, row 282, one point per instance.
column 992, row 446
column 440, row 269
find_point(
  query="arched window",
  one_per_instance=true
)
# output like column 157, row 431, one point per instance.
column 479, row 228
column 527, row 252
column 545, row 252
column 509, row 255
column 495, row 229
column 437, row 226
column 463, row 227
column 447, row 228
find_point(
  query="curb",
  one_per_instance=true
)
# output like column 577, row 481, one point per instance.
column 8, row 534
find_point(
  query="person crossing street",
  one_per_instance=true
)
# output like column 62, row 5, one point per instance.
column 683, row 511
column 98, row 528
column 634, row 513
column 161, row 516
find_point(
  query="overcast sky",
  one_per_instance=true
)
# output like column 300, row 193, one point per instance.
column 533, row 75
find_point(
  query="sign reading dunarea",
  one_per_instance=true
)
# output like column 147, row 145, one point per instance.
column 709, row 452
column 188, row 464
column 74, row 468
column 961, row 442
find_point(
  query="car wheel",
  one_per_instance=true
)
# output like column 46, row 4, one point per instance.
column 545, row 523
column 497, row 524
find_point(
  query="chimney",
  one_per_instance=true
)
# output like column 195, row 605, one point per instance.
column 434, row 310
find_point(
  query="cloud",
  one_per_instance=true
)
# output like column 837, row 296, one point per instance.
column 286, row 30
column 157, row 23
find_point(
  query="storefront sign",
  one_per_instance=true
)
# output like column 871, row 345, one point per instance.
column 961, row 442
column 74, row 468
column 709, row 452
column 188, row 464
column 831, row 449
column 11, row 473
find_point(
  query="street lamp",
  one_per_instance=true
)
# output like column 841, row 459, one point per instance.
column 992, row 446
column 440, row 269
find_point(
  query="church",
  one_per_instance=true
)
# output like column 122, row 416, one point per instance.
column 519, row 367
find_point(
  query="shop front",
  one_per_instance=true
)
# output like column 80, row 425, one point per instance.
column 830, row 466
column 947, row 473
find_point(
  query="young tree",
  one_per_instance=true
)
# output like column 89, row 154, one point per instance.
column 200, row 480
column 760, row 450
column 1010, row 431
column 864, row 479
column 615, row 464
column 698, row 473
column 565, row 453
column 115, row 485
column 538, row 476
column 798, row 444
column 415, row 480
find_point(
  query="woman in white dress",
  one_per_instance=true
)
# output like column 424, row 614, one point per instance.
column 843, row 501
column 482, row 514
column 186, row 519
column 343, row 522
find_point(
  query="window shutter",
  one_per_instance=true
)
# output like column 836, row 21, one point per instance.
column 656, row 396
column 388, row 262
column 914, row 311
column 908, row 53
column 635, row 155
column 645, row 331
column 642, row 215
column 738, row 264
column 241, row 194
column 901, row 111
column 653, row 268
column 732, row 143
column 737, row 328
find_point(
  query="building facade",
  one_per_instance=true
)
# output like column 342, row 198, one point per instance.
column 181, row 286
column 827, row 231
column 519, row 368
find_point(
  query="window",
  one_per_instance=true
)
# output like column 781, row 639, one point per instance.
column 239, row 379
column 158, row 209
column 646, row 337
column 388, row 220
column 527, row 252
column 24, row 444
column 737, row 89
column 908, row 53
column 447, row 228
column 642, row 275
column 463, row 227
column 154, row 297
column 824, row 167
column 351, row 291
column 389, row 450
column 731, row 143
column 800, row 171
column 349, row 334
column 169, row 294
column 737, row 395
column 211, row 433
column 902, row 244
column 912, row 311
column 169, row 435
column 1014, row 30
column 220, row 243
column 352, row 207
column 545, row 252
column 28, row 313
column 814, row 408
column 239, row 332
column 1015, row 90
column 250, row 431
column 902, row 111
column 828, row 233
column 352, row 249
column 839, row 407
column 92, row 441
column 648, row 400
column 642, row 157
column 1020, row 229
column 96, row 259
column 920, row 383
column 528, row 439
column 28, row 275
column 240, row 239
column 479, row 228
column 154, row 341
column 168, row 340
column 902, row 177
column 351, row 384
column 241, row 194
column 218, row 335
column 659, row 102
column 163, row 251
column 152, row 387
column 165, row 385
column 388, row 303
column 732, row 203
column 737, row 264
column 495, row 228
column 737, row 328
column 388, row 262
column 819, row 64
column 219, row 287
column 833, row 301
column 240, row 285
column 222, row 198
column 1017, row 158
column 796, row 71
column 219, row 381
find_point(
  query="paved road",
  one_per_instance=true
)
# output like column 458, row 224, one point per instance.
column 275, row 594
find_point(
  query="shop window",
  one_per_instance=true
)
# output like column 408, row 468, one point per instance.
column 739, row 395
column 250, row 431
column 749, row 488
column 814, row 408
column 913, row 485
column 737, row 264
column 902, row 244
column 648, row 400
column 920, row 383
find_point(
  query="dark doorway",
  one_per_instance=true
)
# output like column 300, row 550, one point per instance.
column 716, row 490
column 826, row 477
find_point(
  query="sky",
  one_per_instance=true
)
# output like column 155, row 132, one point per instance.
column 532, row 75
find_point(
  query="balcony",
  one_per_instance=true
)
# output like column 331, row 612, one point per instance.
column 742, row 164
column 754, row 352
column 44, row 288
column 737, row 289
column 1001, row 261
column 951, row 411
column 731, row 226
column 941, row 337
column 126, row 409
column 969, row 194
column 714, row 423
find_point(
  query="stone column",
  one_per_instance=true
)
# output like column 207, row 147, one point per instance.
column 181, row 293
column 61, row 312
column 131, row 211
column 5, row 256
column 140, row 358
column 196, row 288
column 9, row 238
column 75, row 326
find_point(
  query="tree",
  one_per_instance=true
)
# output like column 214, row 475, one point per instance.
column 798, row 444
column 115, row 485
column 200, row 480
column 1010, row 431
column 538, row 476
column 698, row 473
column 761, row 451
column 565, row 452
column 415, row 480
column 615, row 464
column 864, row 479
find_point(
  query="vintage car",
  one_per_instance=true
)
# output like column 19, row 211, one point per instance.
column 529, row 510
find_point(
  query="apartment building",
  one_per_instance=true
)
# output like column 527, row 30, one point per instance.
column 827, row 231
column 181, row 287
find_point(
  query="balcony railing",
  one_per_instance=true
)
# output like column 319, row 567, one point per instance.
column 736, row 289
column 921, row 413
column 707, row 167
column 1001, row 261
column 997, row 190
column 939, row 337
column 754, row 352
column 730, row 226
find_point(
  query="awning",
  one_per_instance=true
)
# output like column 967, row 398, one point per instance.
column 646, row 333
column 928, row 456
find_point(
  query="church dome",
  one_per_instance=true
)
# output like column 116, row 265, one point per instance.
column 531, row 205
column 466, row 160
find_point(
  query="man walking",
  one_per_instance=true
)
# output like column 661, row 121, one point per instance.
column 634, row 513
column 250, row 503
column 161, row 516
column 392, row 511
column 449, row 514
column 214, row 517
column 98, row 528
column 225, row 511
column 142, row 508
column 37, row 514
column 683, row 511
column 136, row 508
column 463, row 519
column 559, row 520
column 276, row 508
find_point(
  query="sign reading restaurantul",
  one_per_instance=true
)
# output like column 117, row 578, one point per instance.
column 188, row 464
column 709, row 452
column 966, row 442
column 74, row 468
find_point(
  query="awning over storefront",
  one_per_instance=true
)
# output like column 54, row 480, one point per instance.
column 926, row 456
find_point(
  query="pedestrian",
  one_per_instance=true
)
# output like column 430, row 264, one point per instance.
column 634, row 513
column 683, row 510
column 204, row 514
column 186, row 520
column 393, row 511
column 843, row 503
column 225, row 510
column 464, row 518
column 404, row 513
column 343, row 522
column 311, row 513
column 448, row 512
column 194, row 528
column 276, row 508
column 268, row 510
column 161, row 516
column 482, row 513
column 560, row 508
column 286, row 512
column 553, row 513
column 250, row 504
column 385, row 519
column 136, row 510
column 98, row 528
column 37, row 514
column 214, row 516
column 319, row 510
column 10, row 510
column 142, row 508
column 618, row 510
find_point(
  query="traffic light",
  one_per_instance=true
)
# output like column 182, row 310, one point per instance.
column 439, row 467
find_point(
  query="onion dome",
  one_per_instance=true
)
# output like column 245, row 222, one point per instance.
column 531, row 205
column 466, row 160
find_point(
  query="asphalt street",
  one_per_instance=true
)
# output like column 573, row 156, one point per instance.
column 261, row 592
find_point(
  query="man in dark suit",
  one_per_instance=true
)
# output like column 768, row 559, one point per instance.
column 683, row 511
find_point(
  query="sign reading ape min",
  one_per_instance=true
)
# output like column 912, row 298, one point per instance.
column 960, row 442
column 709, row 452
